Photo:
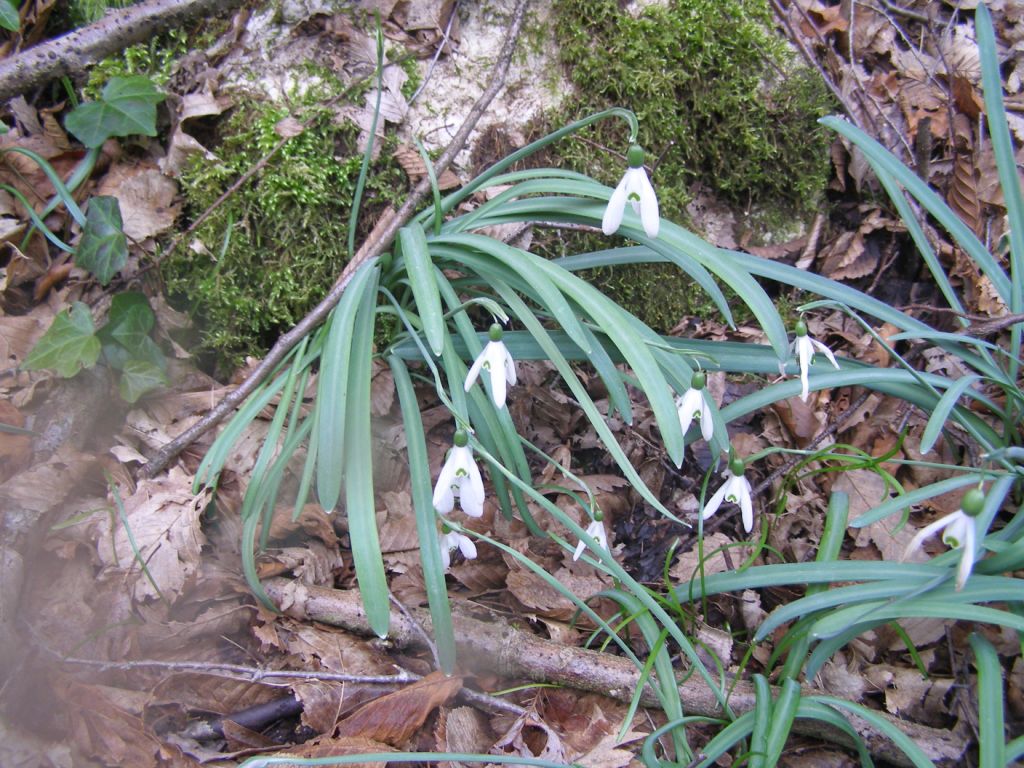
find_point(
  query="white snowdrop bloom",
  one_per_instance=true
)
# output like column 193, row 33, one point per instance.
column 496, row 360
column 804, row 347
column 595, row 531
column 735, row 489
column 958, row 530
column 634, row 188
column 460, row 477
column 693, row 404
column 452, row 540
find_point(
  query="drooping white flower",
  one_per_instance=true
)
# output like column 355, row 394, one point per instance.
column 452, row 540
column 804, row 347
column 460, row 478
column 496, row 360
column 595, row 531
column 693, row 404
column 634, row 188
column 736, row 489
column 958, row 530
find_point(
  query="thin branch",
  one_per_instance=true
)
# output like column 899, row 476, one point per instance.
column 317, row 316
column 84, row 47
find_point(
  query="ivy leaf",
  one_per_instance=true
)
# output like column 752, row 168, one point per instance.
column 9, row 18
column 126, row 107
column 130, row 321
column 69, row 345
column 103, row 248
column 139, row 377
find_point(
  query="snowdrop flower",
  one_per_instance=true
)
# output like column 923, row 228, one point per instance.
column 736, row 489
column 460, row 477
column 635, row 188
column 804, row 347
column 450, row 540
column 595, row 531
column 693, row 404
column 958, row 530
column 496, row 360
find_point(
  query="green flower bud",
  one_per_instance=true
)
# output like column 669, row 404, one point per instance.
column 635, row 156
column 494, row 332
column 698, row 380
column 801, row 327
column 736, row 465
column 598, row 515
column 461, row 439
column 973, row 502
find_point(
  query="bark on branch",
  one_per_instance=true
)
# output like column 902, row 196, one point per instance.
column 84, row 47
column 497, row 648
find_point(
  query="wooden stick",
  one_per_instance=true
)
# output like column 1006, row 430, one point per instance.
column 381, row 241
column 494, row 647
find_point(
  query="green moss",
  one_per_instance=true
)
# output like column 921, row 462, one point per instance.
column 277, row 245
column 721, row 100
column 153, row 59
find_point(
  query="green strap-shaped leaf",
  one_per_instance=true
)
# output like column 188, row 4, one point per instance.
column 69, row 345
column 360, row 505
column 426, row 518
column 416, row 252
column 332, row 390
column 940, row 415
column 103, row 248
column 991, row 717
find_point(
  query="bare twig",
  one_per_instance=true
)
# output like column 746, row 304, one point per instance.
column 84, row 47
column 286, row 342
column 495, row 647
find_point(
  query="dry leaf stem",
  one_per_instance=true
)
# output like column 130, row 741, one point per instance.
column 492, row 646
column 378, row 242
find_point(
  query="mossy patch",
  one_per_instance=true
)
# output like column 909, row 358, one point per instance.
column 721, row 100
column 273, row 250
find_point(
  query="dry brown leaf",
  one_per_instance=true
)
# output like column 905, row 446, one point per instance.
column 462, row 729
column 412, row 163
column 15, row 450
column 146, row 197
column 963, row 195
column 321, row 704
column 396, row 523
column 394, row 718
column 336, row 747
column 535, row 593
column 107, row 723
column 524, row 737
column 686, row 567
column 162, row 517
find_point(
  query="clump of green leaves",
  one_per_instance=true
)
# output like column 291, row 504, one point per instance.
column 73, row 343
column 277, row 245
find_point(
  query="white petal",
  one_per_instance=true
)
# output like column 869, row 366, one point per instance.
column 474, row 371
column 579, row 550
column 444, row 499
column 967, row 556
column 804, row 352
column 596, row 531
column 496, row 367
column 686, row 406
column 446, row 556
column 648, row 206
column 924, row 533
column 826, row 352
column 471, row 495
column 746, row 505
column 616, row 207
column 467, row 547
column 510, row 367
column 715, row 501
column 707, row 424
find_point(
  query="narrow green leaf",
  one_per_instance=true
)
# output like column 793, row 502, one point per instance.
column 991, row 717
column 885, row 726
column 69, row 345
column 332, row 390
column 9, row 18
column 420, row 269
column 139, row 377
column 763, row 706
column 127, row 107
column 940, row 415
column 360, row 505
column 426, row 518
column 103, row 248
column 783, row 713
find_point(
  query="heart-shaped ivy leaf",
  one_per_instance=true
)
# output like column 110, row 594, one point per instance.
column 130, row 321
column 69, row 345
column 103, row 248
column 126, row 107
column 139, row 377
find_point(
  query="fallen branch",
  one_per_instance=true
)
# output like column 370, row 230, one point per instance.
column 84, row 47
column 496, row 648
column 379, row 242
